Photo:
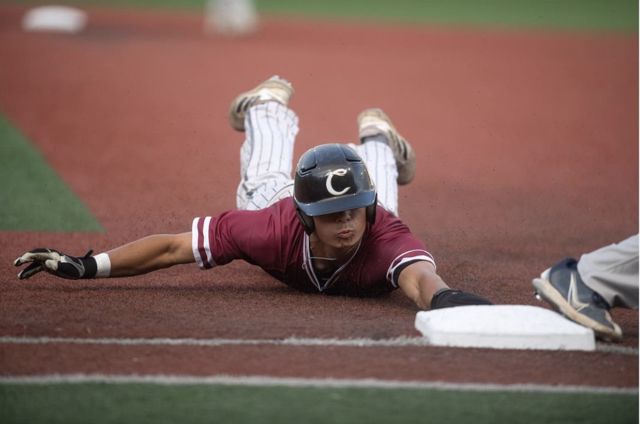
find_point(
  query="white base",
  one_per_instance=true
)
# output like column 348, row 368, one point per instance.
column 54, row 19
column 503, row 327
column 230, row 17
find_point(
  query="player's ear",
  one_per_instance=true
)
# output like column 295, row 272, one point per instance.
column 307, row 221
column 371, row 211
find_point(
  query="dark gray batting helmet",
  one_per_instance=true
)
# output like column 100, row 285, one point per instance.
column 332, row 178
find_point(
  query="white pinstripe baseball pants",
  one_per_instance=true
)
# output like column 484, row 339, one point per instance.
column 266, row 158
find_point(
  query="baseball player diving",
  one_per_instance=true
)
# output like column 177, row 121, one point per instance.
column 331, row 229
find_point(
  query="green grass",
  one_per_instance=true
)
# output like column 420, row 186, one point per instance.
column 616, row 15
column 152, row 403
column 583, row 14
column 32, row 196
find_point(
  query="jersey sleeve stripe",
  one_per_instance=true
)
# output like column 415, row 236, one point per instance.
column 404, row 260
column 194, row 242
column 200, row 242
column 207, row 244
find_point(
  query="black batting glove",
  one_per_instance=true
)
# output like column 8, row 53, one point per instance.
column 56, row 263
column 447, row 298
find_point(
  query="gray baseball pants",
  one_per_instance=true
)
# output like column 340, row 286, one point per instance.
column 612, row 271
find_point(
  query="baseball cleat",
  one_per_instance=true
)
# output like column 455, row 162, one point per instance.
column 275, row 89
column 372, row 122
column 562, row 287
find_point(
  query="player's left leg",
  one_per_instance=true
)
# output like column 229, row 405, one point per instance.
column 389, row 157
column 381, row 165
column 266, row 155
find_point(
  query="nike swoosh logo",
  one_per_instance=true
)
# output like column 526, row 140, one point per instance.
column 573, row 294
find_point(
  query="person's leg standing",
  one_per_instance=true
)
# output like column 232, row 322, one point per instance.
column 612, row 272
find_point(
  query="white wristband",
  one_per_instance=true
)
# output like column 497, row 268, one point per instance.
column 103, row 264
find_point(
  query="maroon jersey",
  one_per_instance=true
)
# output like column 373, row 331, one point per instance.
column 274, row 239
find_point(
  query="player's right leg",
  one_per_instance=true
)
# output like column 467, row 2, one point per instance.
column 266, row 155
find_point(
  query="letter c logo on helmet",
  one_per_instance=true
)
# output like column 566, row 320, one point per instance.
column 341, row 173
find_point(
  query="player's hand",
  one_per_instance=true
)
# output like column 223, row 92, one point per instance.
column 54, row 262
column 447, row 298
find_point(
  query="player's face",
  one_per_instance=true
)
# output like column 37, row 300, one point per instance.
column 341, row 230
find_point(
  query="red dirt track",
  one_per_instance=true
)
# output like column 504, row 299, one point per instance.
column 527, row 148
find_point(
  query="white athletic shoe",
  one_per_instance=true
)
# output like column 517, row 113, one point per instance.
column 275, row 89
column 372, row 122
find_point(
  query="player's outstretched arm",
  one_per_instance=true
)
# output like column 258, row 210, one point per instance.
column 138, row 257
column 420, row 282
